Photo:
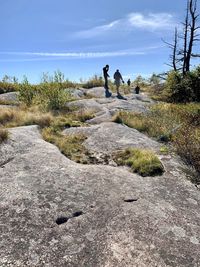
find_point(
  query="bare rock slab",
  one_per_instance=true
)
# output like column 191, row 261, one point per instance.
column 11, row 96
column 38, row 185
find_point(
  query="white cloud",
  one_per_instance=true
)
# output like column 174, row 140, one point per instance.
column 98, row 30
column 59, row 56
column 152, row 21
column 149, row 22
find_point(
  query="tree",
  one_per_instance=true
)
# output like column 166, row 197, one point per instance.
column 181, row 56
column 191, row 34
column 173, row 47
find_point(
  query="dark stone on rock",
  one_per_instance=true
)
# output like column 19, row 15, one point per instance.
column 130, row 200
column 77, row 214
column 61, row 220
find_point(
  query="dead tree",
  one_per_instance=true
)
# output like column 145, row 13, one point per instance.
column 185, row 40
column 181, row 56
column 192, row 32
column 173, row 47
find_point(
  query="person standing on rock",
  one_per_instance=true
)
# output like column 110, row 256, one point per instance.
column 106, row 75
column 137, row 89
column 118, row 78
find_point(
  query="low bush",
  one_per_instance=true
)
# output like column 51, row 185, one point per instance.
column 6, row 87
column 183, row 89
column 51, row 97
column 143, row 162
column 27, row 92
column 95, row 81
column 187, row 144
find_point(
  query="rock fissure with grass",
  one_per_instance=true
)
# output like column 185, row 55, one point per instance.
column 57, row 212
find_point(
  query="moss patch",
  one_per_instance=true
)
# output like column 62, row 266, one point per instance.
column 143, row 162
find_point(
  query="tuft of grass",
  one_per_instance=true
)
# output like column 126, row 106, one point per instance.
column 6, row 115
column 3, row 135
column 164, row 150
column 141, row 161
column 70, row 145
column 132, row 120
column 83, row 115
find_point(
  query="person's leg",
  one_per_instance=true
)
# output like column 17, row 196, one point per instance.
column 117, row 89
column 106, row 83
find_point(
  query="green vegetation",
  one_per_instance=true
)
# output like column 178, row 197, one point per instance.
column 94, row 81
column 175, row 123
column 143, row 162
column 49, row 96
column 3, row 135
column 179, row 88
column 176, row 88
column 8, row 84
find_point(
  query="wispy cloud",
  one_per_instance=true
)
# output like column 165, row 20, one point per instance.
column 37, row 56
column 152, row 21
column 148, row 22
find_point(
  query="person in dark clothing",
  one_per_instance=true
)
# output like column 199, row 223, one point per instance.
column 129, row 82
column 106, row 75
column 137, row 89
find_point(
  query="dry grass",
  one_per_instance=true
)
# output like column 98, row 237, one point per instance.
column 17, row 117
column 175, row 123
column 3, row 135
column 70, row 145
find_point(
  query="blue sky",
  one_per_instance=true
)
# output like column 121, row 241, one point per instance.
column 79, row 37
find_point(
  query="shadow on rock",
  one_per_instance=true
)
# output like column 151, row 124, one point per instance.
column 107, row 93
column 119, row 96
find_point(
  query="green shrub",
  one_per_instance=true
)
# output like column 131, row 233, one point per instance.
column 95, row 81
column 58, row 78
column 6, row 87
column 27, row 92
column 51, row 97
column 183, row 89
column 143, row 162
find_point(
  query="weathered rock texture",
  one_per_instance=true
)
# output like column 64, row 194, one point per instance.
column 11, row 96
column 38, row 185
column 105, row 108
column 111, row 216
